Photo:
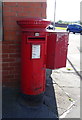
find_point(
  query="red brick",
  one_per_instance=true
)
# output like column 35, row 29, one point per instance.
column 0, row 60
column 43, row 14
column 17, row 67
column 10, row 23
column 18, row 37
column 12, row 33
column 6, row 37
column 16, row 76
column 32, row 9
column 12, row 42
column 6, row 8
column 0, row 72
column 22, row 4
column 7, row 68
column 35, row 4
column 10, row 18
column 23, row 14
column 11, row 51
column 5, row 64
column 5, row 72
column 9, row 13
column 9, row 33
column 0, row 42
column 39, row 10
column 9, row 60
column 14, row 72
column 44, row 5
column 8, row 76
column 14, row 55
column 9, row 3
column 12, row 68
column 26, row 9
column 4, row 55
column 0, row 51
column 8, row 48
column 0, row 67
column 31, row 4
column 33, row 14
column 14, row 64
column 13, row 37
column 10, row 83
column 16, row 9
column 9, row 28
column 0, row 55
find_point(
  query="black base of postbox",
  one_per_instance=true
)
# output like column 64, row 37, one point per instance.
column 31, row 100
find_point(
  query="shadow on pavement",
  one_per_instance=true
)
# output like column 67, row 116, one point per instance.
column 12, row 107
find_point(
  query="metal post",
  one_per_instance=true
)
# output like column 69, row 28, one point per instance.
column 54, row 14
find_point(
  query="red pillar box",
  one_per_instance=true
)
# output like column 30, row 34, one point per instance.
column 33, row 55
column 57, row 46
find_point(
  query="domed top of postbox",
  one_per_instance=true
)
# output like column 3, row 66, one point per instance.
column 33, row 23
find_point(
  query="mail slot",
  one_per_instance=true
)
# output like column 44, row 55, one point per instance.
column 36, row 39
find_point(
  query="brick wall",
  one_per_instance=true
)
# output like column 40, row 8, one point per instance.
column 13, row 11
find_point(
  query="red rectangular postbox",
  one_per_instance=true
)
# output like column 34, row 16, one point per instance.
column 57, row 45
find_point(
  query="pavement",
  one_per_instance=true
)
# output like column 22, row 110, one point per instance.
column 62, row 96
column 67, row 81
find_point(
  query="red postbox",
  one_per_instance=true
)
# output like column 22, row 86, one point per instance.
column 57, row 46
column 33, row 55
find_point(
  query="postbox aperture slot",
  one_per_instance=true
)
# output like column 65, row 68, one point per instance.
column 36, row 39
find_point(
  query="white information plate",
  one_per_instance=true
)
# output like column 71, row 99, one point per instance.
column 35, row 51
column 37, row 34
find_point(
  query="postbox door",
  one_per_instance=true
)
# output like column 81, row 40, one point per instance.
column 61, row 50
column 33, row 64
column 57, row 50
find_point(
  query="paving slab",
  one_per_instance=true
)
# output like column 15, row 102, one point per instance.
column 63, row 101
column 75, row 111
column 66, row 79
column 67, row 90
column 75, row 95
column 75, row 60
